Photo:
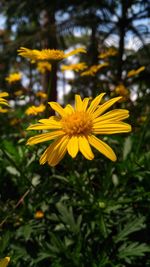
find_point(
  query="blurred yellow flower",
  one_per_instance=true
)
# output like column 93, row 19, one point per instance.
column 122, row 91
column 108, row 53
column 3, row 101
column 43, row 66
column 94, row 69
column 15, row 121
column 4, row 262
column 75, row 67
column 34, row 110
column 74, row 129
column 47, row 54
column 19, row 93
column 41, row 94
column 13, row 77
column 3, row 110
column 135, row 72
column 39, row 214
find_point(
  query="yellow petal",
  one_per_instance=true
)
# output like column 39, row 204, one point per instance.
column 113, row 115
column 4, row 102
column 85, row 148
column 111, row 128
column 47, row 124
column 4, row 262
column 69, row 109
column 4, row 94
column 95, row 102
column 102, row 147
column 55, row 106
column 78, row 103
column 73, row 146
column 85, row 103
column 44, row 137
column 75, row 51
column 47, row 152
column 101, row 109
column 57, row 151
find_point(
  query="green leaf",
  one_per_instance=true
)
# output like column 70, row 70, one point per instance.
column 127, row 147
column 132, row 250
column 129, row 228
column 12, row 170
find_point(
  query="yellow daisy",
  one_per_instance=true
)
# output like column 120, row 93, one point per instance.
column 135, row 72
column 74, row 129
column 94, row 69
column 13, row 77
column 4, row 262
column 47, row 54
column 34, row 110
column 75, row 67
column 42, row 67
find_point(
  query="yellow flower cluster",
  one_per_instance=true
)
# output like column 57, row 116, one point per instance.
column 14, row 77
column 74, row 129
column 34, row 110
column 75, row 67
column 47, row 54
column 135, row 72
column 94, row 69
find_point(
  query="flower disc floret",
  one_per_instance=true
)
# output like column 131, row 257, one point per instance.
column 77, row 123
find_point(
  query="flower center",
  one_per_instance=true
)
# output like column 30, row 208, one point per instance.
column 77, row 123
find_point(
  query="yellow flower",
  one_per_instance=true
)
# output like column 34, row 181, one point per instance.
column 3, row 101
column 14, row 77
column 44, row 66
column 39, row 214
column 34, row 110
column 47, row 54
column 19, row 93
column 122, row 90
column 41, row 94
column 4, row 262
column 76, row 67
column 74, row 129
column 108, row 53
column 135, row 72
column 94, row 69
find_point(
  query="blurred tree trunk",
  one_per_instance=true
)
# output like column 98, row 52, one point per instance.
column 122, row 25
column 49, row 40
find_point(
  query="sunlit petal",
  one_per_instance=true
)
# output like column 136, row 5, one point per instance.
column 102, row 147
column 95, row 102
column 55, row 106
column 44, row 137
column 113, row 115
column 111, row 128
column 85, row 148
column 73, row 146
column 102, row 108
